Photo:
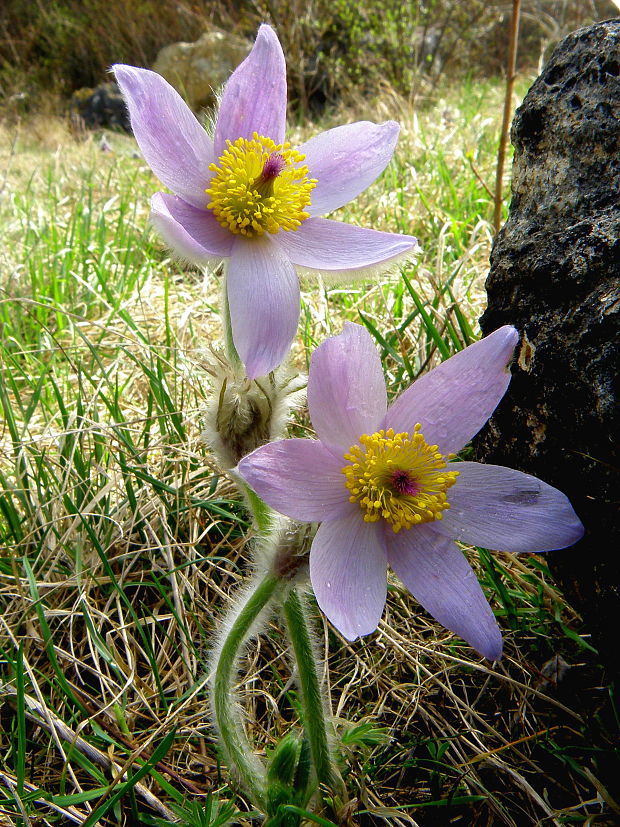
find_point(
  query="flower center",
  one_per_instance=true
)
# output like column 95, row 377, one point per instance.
column 399, row 477
column 259, row 187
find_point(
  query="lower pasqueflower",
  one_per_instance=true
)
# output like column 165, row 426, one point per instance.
column 382, row 484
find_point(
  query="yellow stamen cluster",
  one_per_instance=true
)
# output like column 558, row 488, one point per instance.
column 398, row 477
column 259, row 187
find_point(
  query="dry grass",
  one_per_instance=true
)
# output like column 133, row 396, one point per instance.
column 123, row 543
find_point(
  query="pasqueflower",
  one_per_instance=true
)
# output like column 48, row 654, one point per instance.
column 383, row 484
column 248, row 197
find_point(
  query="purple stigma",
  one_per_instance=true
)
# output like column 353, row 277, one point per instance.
column 404, row 483
column 273, row 167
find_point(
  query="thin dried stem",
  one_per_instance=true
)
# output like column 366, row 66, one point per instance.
column 503, row 141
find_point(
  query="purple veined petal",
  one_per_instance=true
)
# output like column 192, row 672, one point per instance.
column 336, row 247
column 347, row 159
column 254, row 97
column 454, row 400
column 174, row 144
column 435, row 571
column 263, row 297
column 506, row 510
column 346, row 388
column 299, row 478
column 348, row 571
column 190, row 232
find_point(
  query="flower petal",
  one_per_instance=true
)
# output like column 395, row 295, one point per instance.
column 346, row 389
column 437, row 574
column 332, row 246
column 507, row 510
column 454, row 400
column 263, row 297
column 348, row 570
column 254, row 98
column 174, row 144
column 346, row 160
column 299, row 478
column 190, row 232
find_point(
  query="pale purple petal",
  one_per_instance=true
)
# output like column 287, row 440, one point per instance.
column 174, row 144
column 332, row 246
column 453, row 401
column 507, row 510
column 348, row 571
column 263, row 297
column 437, row 574
column 346, row 389
column 191, row 232
column 299, row 478
column 346, row 160
column 254, row 98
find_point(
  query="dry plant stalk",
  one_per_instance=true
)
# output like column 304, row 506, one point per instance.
column 510, row 80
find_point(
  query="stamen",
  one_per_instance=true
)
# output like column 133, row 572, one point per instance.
column 399, row 478
column 259, row 187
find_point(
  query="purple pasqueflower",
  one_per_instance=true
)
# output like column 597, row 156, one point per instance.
column 379, row 481
column 246, row 196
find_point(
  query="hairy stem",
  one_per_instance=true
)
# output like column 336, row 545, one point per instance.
column 229, row 345
column 315, row 722
column 227, row 714
column 262, row 514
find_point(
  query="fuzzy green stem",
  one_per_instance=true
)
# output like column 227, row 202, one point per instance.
column 229, row 345
column 227, row 715
column 262, row 514
column 315, row 722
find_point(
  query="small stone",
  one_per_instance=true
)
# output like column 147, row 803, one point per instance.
column 100, row 107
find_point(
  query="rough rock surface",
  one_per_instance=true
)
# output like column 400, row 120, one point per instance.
column 555, row 275
column 197, row 70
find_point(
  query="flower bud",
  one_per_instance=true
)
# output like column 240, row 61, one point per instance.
column 284, row 760
column 292, row 548
column 246, row 413
column 288, row 775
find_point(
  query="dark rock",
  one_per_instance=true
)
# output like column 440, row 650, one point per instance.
column 101, row 107
column 555, row 275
